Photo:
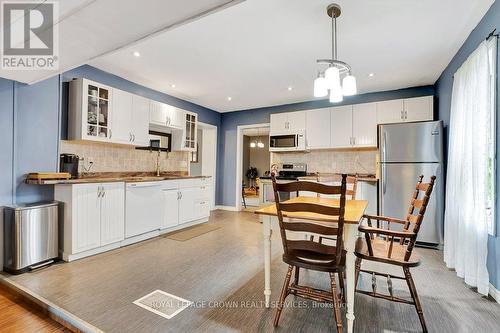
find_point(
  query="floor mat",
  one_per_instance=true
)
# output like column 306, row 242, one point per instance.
column 187, row 234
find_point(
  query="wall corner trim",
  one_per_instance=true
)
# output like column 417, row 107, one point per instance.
column 228, row 208
column 495, row 293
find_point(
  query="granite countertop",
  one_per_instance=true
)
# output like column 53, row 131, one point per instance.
column 325, row 177
column 110, row 177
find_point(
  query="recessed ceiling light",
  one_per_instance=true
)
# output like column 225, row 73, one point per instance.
column 136, row 54
column 172, row 85
column 371, row 74
column 229, row 98
column 290, row 88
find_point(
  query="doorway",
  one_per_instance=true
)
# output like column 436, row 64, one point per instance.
column 253, row 161
column 203, row 162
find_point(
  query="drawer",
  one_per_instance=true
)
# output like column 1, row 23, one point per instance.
column 194, row 182
column 202, row 208
column 169, row 184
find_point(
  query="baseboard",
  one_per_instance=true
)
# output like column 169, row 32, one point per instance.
column 228, row 208
column 56, row 313
column 494, row 293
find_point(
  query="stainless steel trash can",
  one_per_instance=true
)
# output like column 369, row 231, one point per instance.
column 30, row 236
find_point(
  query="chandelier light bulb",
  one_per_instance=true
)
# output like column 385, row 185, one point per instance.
column 320, row 87
column 336, row 94
column 252, row 144
column 260, row 144
column 332, row 76
column 349, row 86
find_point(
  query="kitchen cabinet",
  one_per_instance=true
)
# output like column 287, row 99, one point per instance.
column 130, row 119
column 171, row 203
column 162, row 114
column 341, row 126
column 364, row 125
column 90, row 106
column 112, row 213
column 139, row 124
column 158, row 113
column 122, row 102
column 405, row 110
column 419, row 108
column 187, row 203
column 288, row 121
column 93, row 216
column 317, row 125
column 184, row 139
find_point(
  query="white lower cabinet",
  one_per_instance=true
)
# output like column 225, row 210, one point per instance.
column 93, row 216
column 171, row 204
column 100, row 217
column 112, row 213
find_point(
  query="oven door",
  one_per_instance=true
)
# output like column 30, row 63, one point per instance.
column 283, row 142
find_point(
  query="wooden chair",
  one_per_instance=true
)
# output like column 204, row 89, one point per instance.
column 306, row 253
column 380, row 245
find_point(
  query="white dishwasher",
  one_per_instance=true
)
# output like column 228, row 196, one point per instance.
column 144, row 208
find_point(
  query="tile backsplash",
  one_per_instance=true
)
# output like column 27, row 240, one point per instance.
column 332, row 161
column 117, row 158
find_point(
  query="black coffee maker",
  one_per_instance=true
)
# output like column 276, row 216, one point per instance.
column 69, row 163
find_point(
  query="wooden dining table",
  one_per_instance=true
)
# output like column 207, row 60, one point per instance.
column 354, row 211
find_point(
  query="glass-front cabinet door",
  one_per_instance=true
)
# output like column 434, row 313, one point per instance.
column 190, row 131
column 96, row 115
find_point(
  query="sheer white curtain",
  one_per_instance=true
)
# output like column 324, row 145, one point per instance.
column 466, row 221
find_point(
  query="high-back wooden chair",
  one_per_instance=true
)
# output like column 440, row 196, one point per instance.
column 351, row 184
column 395, row 247
column 306, row 253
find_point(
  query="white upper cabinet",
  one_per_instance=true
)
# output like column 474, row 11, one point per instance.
column 364, row 125
column 405, row 110
column 317, row 124
column 175, row 117
column 121, row 132
column 419, row 108
column 140, row 121
column 185, row 138
column 279, row 122
column 296, row 120
column 131, row 119
column 162, row 114
column 390, row 111
column 92, row 116
column 341, row 126
column 90, row 111
column 288, row 121
column 158, row 113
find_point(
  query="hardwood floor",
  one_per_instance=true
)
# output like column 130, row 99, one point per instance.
column 17, row 315
column 222, row 273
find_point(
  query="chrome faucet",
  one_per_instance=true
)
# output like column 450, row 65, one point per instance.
column 158, row 163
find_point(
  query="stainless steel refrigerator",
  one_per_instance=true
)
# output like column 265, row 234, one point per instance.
column 407, row 151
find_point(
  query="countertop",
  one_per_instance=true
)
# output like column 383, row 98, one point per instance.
column 110, row 177
column 326, row 177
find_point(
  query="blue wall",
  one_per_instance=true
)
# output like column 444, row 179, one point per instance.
column 231, row 120
column 6, row 140
column 444, row 87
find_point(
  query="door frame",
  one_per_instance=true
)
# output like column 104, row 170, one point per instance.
column 239, row 159
column 208, row 127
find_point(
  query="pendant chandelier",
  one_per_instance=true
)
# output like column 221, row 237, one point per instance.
column 338, row 71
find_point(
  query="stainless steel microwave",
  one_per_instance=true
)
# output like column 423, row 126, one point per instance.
column 288, row 141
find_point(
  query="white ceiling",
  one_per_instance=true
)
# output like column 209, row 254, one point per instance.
column 92, row 28
column 255, row 50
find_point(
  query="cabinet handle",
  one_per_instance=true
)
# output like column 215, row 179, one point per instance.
column 99, row 192
column 353, row 140
column 130, row 137
column 406, row 114
column 133, row 137
column 110, row 133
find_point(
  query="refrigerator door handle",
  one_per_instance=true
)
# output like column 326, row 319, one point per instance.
column 384, row 178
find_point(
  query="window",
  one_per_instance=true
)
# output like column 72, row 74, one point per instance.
column 491, row 188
